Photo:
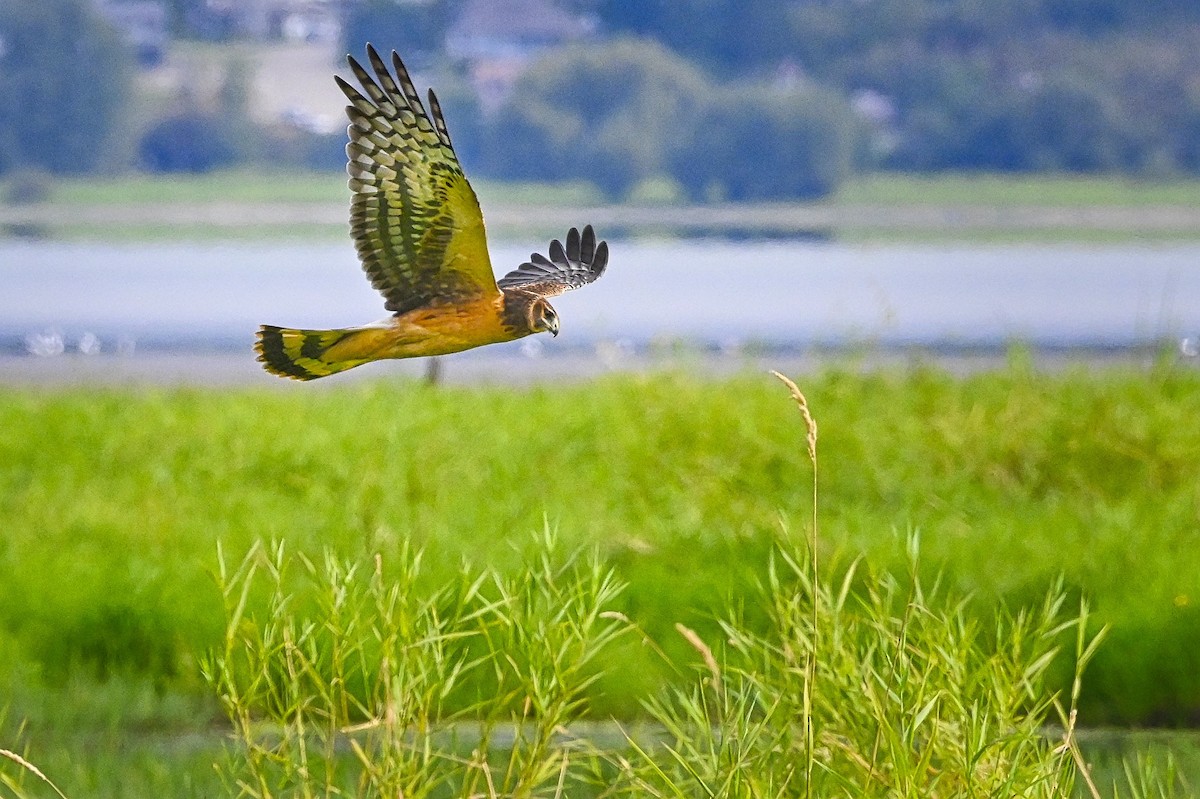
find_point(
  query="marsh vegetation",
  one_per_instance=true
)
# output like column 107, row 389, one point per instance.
column 692, row 496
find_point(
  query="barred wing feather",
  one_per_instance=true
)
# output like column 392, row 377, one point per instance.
column 415, row 219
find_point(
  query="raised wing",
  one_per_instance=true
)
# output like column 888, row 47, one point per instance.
column 580, row 263
column 414, row 217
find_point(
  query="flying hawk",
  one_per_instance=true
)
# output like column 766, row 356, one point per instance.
column 419, row 233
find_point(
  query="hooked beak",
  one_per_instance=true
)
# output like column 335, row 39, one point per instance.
column 552, row 326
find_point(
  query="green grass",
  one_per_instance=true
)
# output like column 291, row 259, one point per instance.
column 113, row 501
column 1131, row 206
column 951, row 189
column 896, row 692
column 257, row 186
column 878, row 189
column 341, row 676
column 242, row 186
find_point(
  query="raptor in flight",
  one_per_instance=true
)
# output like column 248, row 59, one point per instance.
column 419, row 233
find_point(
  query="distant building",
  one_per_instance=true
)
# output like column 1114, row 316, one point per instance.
column 499, row 38
column 144, row 24
column 267, row 20
column 512, row 29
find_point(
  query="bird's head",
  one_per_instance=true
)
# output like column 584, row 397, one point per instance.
column 543, row 317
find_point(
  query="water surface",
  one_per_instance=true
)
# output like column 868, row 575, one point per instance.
column 188, row 296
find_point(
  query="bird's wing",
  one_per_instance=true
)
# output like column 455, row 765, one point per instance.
column 579, row 263
column 414, row 217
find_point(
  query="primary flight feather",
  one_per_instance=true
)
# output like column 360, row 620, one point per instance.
column 419, row 233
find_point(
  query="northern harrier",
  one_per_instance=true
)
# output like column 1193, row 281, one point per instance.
column 419, row 233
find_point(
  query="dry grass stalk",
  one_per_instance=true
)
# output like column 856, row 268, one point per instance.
column 810, row 671
column 32, row 769
column 705, row 652
column 1071, row 744
column 809, row 422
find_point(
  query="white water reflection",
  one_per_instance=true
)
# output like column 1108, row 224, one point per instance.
column 722, row 294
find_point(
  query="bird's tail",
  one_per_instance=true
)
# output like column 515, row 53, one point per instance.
column 309, row 354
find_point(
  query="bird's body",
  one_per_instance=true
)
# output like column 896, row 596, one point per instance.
column 426, row 331
column 419, row 233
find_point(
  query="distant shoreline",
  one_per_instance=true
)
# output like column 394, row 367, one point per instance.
column 248, row 205
column 239, row 369
column 804, row 220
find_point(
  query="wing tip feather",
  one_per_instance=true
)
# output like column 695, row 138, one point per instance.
column 582, row 261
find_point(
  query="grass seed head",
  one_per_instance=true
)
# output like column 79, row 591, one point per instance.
column 810, row 424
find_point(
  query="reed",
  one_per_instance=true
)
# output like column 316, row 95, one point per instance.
column 864, row 682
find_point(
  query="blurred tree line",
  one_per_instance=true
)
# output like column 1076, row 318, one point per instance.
column 1021, row 85
column 65, row 85
column 68, row 105
column 707, row 99
column 638, row 120
column 784, row 98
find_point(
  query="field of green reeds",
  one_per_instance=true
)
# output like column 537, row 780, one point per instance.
column 142, row 530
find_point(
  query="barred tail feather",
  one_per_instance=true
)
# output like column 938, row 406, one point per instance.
column 303, row 354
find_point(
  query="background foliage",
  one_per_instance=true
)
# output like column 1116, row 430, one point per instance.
column 707, row 99
column 1079, row 85
column 65, row 80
